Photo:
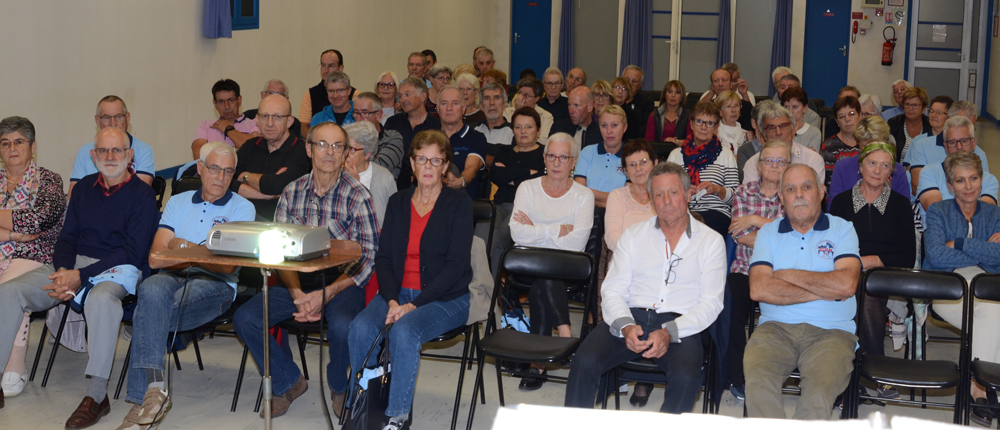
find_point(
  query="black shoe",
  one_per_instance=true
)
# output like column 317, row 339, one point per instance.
column 532, row 382
column 981, row 415
column 639, row 400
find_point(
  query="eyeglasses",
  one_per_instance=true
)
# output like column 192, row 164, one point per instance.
column 6, row 143
column 338, row 91
column 215, row 169
column 364, row 113
column 385, row 85
column 326, row 146
column 104, row 151
column 279, row 93
column 671, row 273
column 867, row 114
column 602, row 96
column 553, row 83
column 620, row 88
column 267, row 118
column 772, row 127
column 936, row 112
column 633, row 81
column 912, row 105
column 562, row 158
column 639, row 163
column 963, row 142
column 779, row 162
column 850, row 114
column 703, row 123
column 351, row 150
column 421, row 160
column 106, row 119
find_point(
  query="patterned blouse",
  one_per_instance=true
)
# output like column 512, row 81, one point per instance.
column 44, row 219
column 834, row 149
column 750, row 200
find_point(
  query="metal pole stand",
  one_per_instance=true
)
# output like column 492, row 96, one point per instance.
column 268, row 395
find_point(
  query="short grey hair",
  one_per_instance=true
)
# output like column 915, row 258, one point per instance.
column 633, row 67
column 959, row 121
column 471, row 80
column 110, row 99
column 964, row 159
column 438, row 69
column 338, row 77
column 18, row 124
column 768, row 109
column 779, row 70
column 284, row 87
column 364, row 133
column 217, row 147
column 873, row 100
column 416, row 83
column 574, row 146
column 553, row 71
column 368, row 95
column 449, row 87
column 965, row 107
column 493, row 86
column 901, row 81
column 776, row 143
column 668, row 168
column 819, row 182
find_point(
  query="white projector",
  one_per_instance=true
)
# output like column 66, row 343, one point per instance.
column 242, row 239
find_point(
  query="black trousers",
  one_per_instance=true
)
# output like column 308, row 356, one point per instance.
column 549, row 305
column 739, row 288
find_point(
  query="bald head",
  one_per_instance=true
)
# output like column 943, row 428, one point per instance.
column 112, row 136
column 274, row 116
column 581, row 105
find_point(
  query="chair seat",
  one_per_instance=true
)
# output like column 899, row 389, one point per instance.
column 910, row 373
column 525, row 347
column 640, row 365
column 293, row 324
column 987, row 373
column 453, row 333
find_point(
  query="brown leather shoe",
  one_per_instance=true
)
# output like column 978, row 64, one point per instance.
column 280, row 404
column 337, row 401
column 88, row 413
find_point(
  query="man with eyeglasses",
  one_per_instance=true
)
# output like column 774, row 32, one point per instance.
column 664, row 287
column 496, row 128
column 415, row 66
column 327, row 197
column 640, row 103
column 722, row 81
column 277, row 86
column 112, row 112
column 100, row 256
column 574, row 78
column 582, row 124
column 209, row 289
column 925, row 151
column 232, row 127
column 338, row 86
column 774, row 122
column 898, row 88
column 959, row 135
column 368, row 107
column 414, row 119
column 468, row 146
column 554, row 102
column 314, row 100
column 785, row 81
column 270, row 162
column 529, row 91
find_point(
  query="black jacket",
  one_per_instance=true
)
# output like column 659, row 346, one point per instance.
column 897, row 128
column 593, row 135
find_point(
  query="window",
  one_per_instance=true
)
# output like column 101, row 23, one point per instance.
column 246, row 14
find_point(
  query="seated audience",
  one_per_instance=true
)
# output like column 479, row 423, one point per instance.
column 775, row 122
column 871, row 105
column 340, row 110
column 788, row 80
column 937, row 114
column 495, row 76
column 112, row 112
column 275, row 86
column 846, row 173
column 552, row 211
column 385, row 87
column 389, row 153
column 959, row 135
column 316, row 98
column 575, row 78
column 361, row 147
column 640, row 104
column 841, row 145
column 413, row 119
column 652, row 314
column 440, row 76
column 98, row 259
column 468, row 84
column 620, row 95
column 415, row 66
column 582, row 118
column 498, row 132
column 720, row 81
column 424, row 270
column 484, row 61
column 912, row 122
column 597, row 167
column 804, row 273
column 232, row 127
column 603, row 95
column 207, row 289
column 730, row 132
column 468, row 146
column 797, row 102
column 668, row 123
column 553, row 101
column 529, row 91
column 898, row 89
column 739, row 84
column 326, row 197
column 925, row 151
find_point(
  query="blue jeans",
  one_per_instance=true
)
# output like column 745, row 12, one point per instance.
column 156, row 314
column 405, row 340
column 339, row 311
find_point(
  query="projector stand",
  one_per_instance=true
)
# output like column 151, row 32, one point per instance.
column 268, row 395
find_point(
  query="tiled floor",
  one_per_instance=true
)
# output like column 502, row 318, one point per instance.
column 202, row 398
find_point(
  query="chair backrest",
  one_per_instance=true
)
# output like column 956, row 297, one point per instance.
column 484, row 210
column 160, row 188
column 186, row 183
column 986, row 287
column 692, row 99
column 914, row 284
column 548, row 263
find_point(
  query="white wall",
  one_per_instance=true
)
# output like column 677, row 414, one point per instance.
column 61, row 57
column 865, row 69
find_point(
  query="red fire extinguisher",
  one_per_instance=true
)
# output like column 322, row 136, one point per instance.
column 888, row 46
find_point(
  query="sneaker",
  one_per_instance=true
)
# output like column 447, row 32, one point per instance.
column 739, row 392
column 13, row 383
column 396, row 423
column 131, row 421
column 155, row 404
column 887, row 392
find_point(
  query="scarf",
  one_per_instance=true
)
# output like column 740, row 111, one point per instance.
column 697, row 157
column 23, row 197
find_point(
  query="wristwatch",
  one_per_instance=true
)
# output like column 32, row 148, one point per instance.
column 228, row 129
column 246, row 178
column 463, row 182
column 184, row 244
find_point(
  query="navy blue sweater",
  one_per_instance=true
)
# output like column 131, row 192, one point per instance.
column 116, row 229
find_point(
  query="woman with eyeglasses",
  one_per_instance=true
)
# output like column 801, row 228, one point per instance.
column 468, row 84
column 796, row 101
column 552, row 211
column 871, row 105
column 603, row 95
column 755, row 205
column 711, row 167
column 362, row 144
column 842, row 144
column 669, row 122
column 730, row 132
column 846, row 173
column 915, row 158
column 621, row 94
column 424, row 270
column 440, row 76
column 31, row 211
column 912, row 122
column 386, row 88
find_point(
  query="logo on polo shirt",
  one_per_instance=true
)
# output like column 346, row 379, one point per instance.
column 219, row 220
column 825, row 249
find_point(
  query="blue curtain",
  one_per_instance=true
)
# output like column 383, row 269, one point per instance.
column 724, row 47
column 781, row 46
column 637, row 40
column 218, row 19
column 566, row 37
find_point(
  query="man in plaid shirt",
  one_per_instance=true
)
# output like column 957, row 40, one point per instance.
column 326, row 197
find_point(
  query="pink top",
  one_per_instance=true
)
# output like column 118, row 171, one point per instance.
column 205, row 130
column 623, row 212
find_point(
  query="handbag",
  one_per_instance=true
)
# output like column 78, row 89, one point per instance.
column 369, row 399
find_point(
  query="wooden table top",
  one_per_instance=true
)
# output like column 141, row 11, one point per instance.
column 341, row 252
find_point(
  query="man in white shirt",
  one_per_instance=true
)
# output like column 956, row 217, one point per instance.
column 664, row 287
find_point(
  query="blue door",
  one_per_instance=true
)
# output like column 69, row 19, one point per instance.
column 531, row 27
column 827, row 42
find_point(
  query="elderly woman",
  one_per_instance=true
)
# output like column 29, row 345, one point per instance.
column 871, row 105
column 440, row 76
column 31, row 209
column 424, row 270
column 962, row 236
column 621, row 94
column 362, row 146
column 846, row 173
column 916, row 154
column 603, row 95
column 513, row 165
column 730, row 132
column 756, row 204
column 711, row 167
column 842, row 144
column 668, row 123
column 386, row 87
column 468, row 84
column 912, row 122
column 552, row 211
column 796, row 101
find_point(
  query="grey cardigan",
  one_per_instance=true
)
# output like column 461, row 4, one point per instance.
column 383, row 185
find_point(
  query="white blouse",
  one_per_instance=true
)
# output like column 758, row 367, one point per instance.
column 547, row 214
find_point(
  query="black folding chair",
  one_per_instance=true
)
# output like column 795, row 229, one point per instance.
column 987, row 374
column 160, row 188
column 645, row 366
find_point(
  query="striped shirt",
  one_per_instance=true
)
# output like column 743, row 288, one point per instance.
column 833, row 150
column 347, row 212
column 722, row 172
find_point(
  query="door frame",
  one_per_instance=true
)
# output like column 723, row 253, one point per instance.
column 982, row 66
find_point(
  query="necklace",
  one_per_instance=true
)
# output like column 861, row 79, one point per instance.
column 636, row 195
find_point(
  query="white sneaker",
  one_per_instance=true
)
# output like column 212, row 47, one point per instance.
column 13, row 383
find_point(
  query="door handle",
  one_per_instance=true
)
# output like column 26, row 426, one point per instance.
column 516, row 36
column 844, row 50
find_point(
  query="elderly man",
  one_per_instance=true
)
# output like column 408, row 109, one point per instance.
column 739, row 84
column 484, row 60
column 338, row 85
column 664, row 287
column 276, row 86
column 775, row 122
column 467, row 145
column 389, row 153
column 412, row 100
column 788, row 80
column 554, row 102
column 208, row 289
column 930, row 150
column 581, row 118
column 959, row 135
column 231, row 127
column 898, row 88
column 99, row 258
column 315, row 99
column 496, row 128
column 331, row 198
column 575, row 78
column 415, row 65
column 722, row 81
column 270, row 162
column 112, row 112
column 529, row 91
column 641, row 104
column 804, row 272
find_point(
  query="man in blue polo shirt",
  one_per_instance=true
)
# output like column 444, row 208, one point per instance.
column 468, row 146
column 804, row 272
column 207, row 289
column 112, row 112
column 959, row 135
column 928, row 150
